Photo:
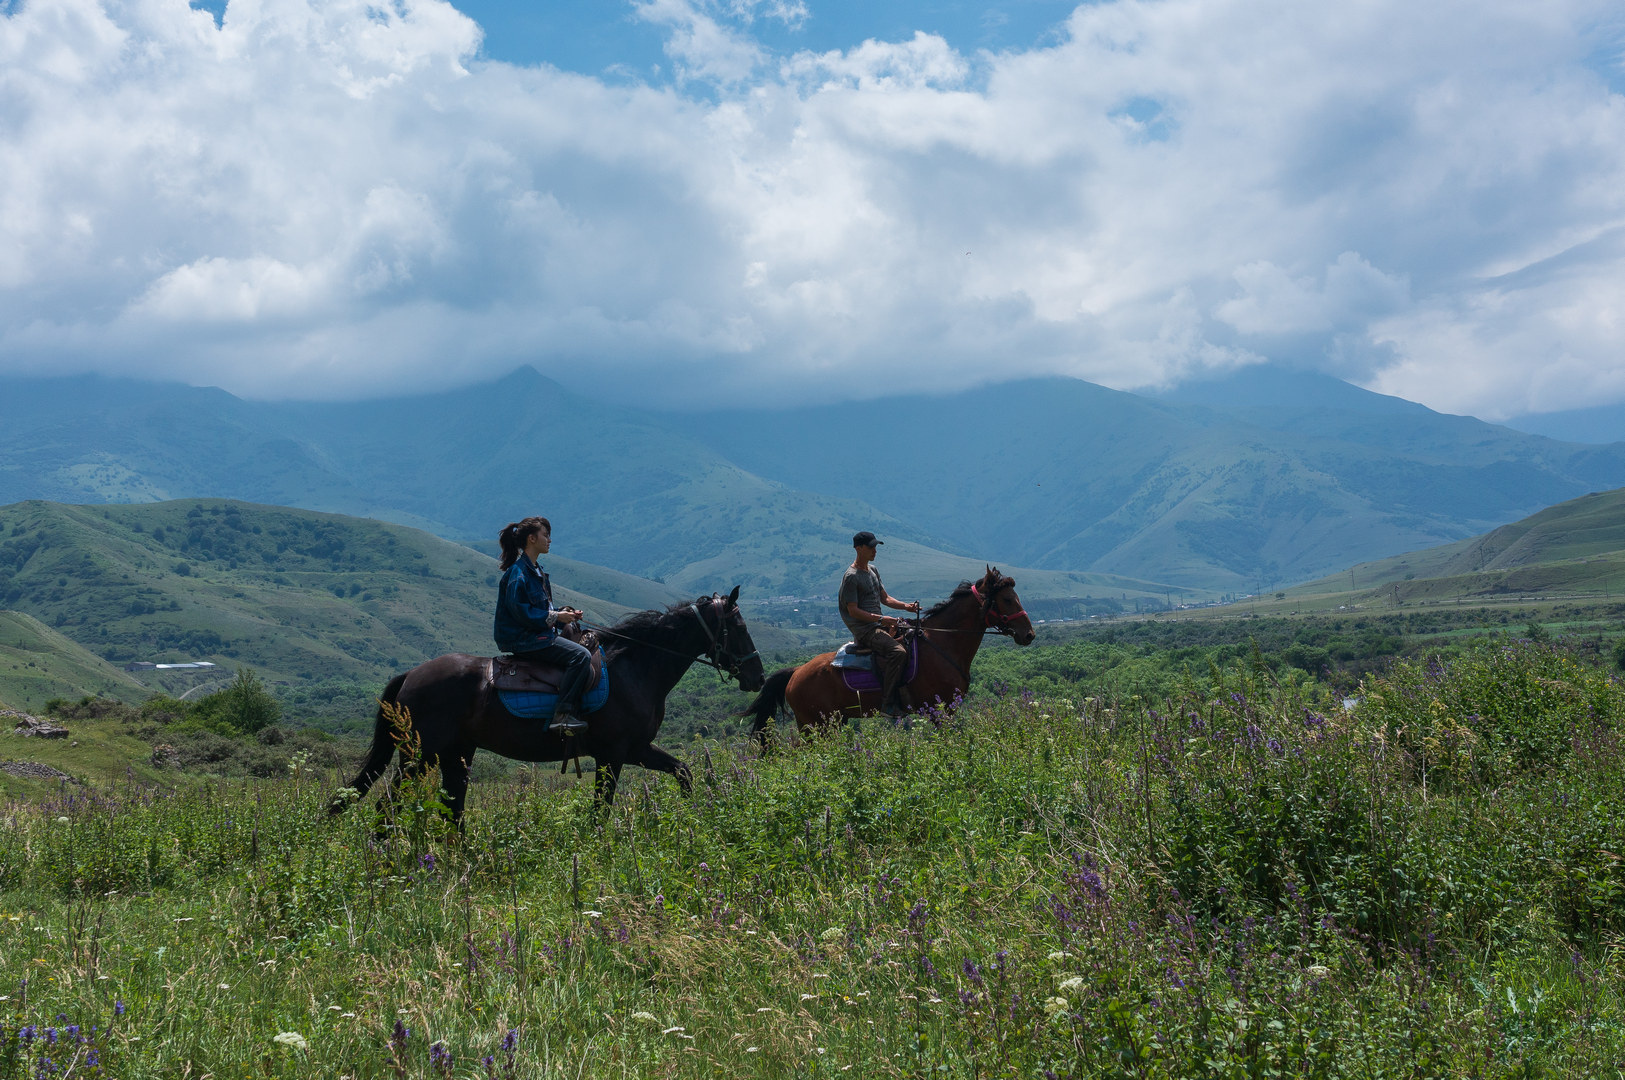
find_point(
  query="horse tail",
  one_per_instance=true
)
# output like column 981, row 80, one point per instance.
column 769, row 702
column 383, row 747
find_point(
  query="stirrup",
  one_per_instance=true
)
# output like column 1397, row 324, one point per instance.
column 568, row 724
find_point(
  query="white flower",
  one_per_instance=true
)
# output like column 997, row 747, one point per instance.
column 644, row 1018
column 63, row 821
column 291, row 1039
column 834, row 933
column 1056, row 1005
column 752, row 1049
column 1075, row 982
column 225, row 986
column 1318, row 971
column 669, row 1030
column 1059, row 955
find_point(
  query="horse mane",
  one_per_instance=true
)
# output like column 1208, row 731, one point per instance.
column 963, row 589
column 646, row 627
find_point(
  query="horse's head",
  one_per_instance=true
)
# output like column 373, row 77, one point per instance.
column 1001, row 607
column 731, row 648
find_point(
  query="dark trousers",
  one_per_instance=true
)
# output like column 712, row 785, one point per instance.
column 891, row 660
column 576, row 662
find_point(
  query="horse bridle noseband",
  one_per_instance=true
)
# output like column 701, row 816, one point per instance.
column 993, row 619
column 719, row 648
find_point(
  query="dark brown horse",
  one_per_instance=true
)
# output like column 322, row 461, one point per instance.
column 454, row 711
column 951, row 633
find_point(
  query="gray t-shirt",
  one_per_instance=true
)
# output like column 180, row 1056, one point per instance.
column 864, row 588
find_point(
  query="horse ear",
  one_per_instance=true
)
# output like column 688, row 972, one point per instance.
column 733, row 597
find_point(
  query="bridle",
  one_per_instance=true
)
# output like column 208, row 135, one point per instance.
column 992, row 618
column 719, row 646
column 718, row 656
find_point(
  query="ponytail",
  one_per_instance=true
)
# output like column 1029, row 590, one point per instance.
column 515, row 533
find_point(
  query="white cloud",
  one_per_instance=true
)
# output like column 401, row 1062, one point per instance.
column 330, row 196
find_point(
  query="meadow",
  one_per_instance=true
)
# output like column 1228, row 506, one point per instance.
column 1220, row 872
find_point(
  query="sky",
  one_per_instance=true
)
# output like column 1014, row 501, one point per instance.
column 709, row 202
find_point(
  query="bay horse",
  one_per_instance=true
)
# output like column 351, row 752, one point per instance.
column 951, row 633
column 454, row 711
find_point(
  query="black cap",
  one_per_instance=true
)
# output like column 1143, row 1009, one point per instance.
column 865, row 539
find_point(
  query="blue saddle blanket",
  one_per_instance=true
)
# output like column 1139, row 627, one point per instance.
column 853, row 661
column 530, row 705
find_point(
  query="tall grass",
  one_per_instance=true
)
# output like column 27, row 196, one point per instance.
column 1239, row 880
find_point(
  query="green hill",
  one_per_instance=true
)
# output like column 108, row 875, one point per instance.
column 1259, row 478
column 295, row 594
column 1577, row 546
column 38, row 664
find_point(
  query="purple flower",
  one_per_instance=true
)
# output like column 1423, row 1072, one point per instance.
column 427, row 861
column 440, row 1058
column 972, row 971
column 398, row 1037
column 510, row 1041
column 118, row 1008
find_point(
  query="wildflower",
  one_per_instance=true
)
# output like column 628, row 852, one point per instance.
column 510, row 1041
column 1072, row 983
column 672, row 1029
column 225, row 986
column 1055, row 1006
column 1059, row 955
column 834, row 933
column 1319, row 971
column 63, row 821
column 440, row 1058
column 644, row 1018
column 291, row 1039
column 118, row 1008
column 752, row 1049
column 398, row 1037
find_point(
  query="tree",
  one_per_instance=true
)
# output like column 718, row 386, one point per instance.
column 245, row 706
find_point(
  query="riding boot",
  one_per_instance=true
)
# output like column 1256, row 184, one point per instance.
column 900, row 704
column 568, row 724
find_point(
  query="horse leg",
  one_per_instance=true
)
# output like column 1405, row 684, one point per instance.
column 454, row 769
column 652, row 757
column 604, row 782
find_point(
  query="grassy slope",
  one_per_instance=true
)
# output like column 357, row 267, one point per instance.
column 37, row 664
column 1233, row 884
column 241, row 584
column 1575, row 546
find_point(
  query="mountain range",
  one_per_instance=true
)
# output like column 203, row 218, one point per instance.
column 1258, row 478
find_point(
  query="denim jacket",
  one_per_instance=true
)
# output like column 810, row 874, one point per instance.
column 525, row 616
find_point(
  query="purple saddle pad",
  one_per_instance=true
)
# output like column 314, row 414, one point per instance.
column 866, row 679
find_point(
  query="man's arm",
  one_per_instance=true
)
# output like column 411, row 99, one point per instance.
column 859, row 614
column 892, row 601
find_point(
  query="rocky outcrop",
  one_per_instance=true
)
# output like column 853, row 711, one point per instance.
column 32, row 727
column 33, row 770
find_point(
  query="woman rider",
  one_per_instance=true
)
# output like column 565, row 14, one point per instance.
column 527, row 622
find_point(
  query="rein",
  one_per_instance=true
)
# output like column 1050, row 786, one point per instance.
column 731, row 668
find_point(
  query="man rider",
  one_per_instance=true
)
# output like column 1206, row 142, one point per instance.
column 859, row 601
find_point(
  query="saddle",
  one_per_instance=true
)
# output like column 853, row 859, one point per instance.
column 857, row 666
column 512, row 673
